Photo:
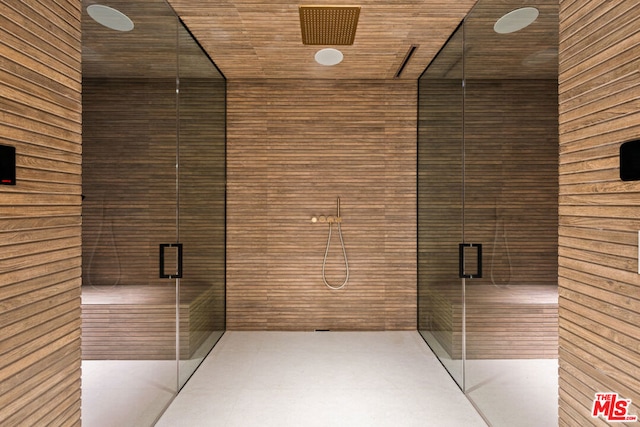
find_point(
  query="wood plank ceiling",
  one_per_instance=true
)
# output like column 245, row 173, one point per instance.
column 258, row 39
column 262, row 39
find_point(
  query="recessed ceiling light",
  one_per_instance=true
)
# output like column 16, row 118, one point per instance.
column 328, row 56
column 516, row 20
column 110, row 17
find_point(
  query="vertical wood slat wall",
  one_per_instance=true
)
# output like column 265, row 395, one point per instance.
column 599, row 93
column 294, row 146
column 40, row 245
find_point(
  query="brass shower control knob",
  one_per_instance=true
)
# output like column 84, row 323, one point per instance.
column 314, row 219
column 322, row 218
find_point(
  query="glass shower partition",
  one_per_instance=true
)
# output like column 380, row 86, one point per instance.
column 511, row 206
column 487, row 200
column 129, row 368
column 441, row 205
column 153, row 212
column 201, row 203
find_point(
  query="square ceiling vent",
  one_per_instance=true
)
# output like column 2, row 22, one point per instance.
column 329, row 25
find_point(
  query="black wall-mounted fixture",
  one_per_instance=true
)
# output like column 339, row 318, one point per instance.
column 177, row 249
column 462, row 264
column 7, row 165
column 630, row 161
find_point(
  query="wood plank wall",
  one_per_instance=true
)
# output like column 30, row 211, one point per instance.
column 294, row 146
column 511, row 179
column 129, row 181
column 40, row 218
column 510, row 206
column 203, row 201
column 599, row 95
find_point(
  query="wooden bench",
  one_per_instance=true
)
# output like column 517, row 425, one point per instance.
column 139, row 322
column 503, row 322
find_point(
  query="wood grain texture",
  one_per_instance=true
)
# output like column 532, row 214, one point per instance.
column 599, row 93
column 139, row 322
column 251, row 39
column 129, row 179
column 518, row 322
column 132, row 205
column 40, row 244
column 510, row 207
column 294, row 146
column 202, row 203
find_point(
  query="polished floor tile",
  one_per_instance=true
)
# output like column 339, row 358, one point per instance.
column 515, row 392
column 328, row 379
column 126, row 393
column 321, row 379
column 508, row 392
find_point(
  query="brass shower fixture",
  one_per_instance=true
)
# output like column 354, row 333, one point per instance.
column 328, row 25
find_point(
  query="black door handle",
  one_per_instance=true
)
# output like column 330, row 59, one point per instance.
column 178, row 273
column 461, row 263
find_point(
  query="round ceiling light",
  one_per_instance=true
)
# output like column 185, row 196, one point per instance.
column 110, row 17
column 516, row 20
column 329, row 56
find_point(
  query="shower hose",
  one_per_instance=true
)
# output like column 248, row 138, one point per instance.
column 110, row 243
column 493, row 253
column 344, row 253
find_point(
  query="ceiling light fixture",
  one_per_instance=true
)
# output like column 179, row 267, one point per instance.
column 110, row 17
column 516, row 20
column 328, row 25
column 328, row 56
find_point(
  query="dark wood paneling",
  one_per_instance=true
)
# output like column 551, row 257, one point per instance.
column 511, row 183
column 139, row 322
column 599, row 88
column 202, row 182
column 518, row 322
column 40, row 216
column 510, row 206
column 293, row 147
column 131, row 206
column 129, row 179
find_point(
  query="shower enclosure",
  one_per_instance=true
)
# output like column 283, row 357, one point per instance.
column 487, row 221
column 153, row 291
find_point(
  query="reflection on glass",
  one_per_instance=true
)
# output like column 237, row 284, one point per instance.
column 137, row 127
column 201, row 212
column 440, row 205
column 507, row 119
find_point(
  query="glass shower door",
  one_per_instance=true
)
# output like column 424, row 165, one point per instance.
column 153, row 291
column 511, row 190
column 201, row 204
column 441, row 207
column 488, row 176
column 129, row 211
